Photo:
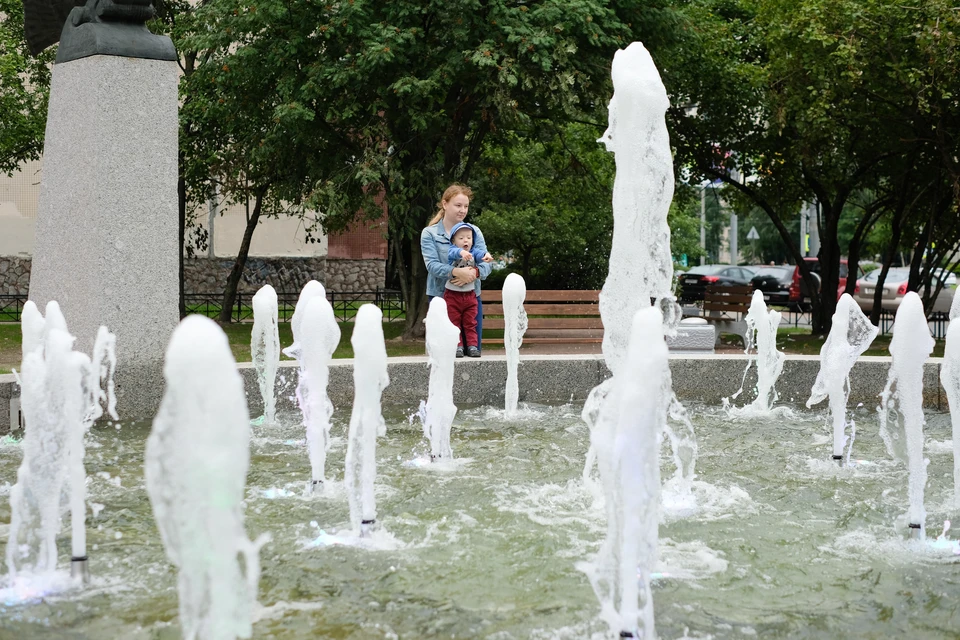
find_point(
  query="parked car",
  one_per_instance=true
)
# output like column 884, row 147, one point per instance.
column 775, row 282
column 694, row 283
column 894, row 288
column 799, row 296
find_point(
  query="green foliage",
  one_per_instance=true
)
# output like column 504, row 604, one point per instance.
column 24, row 91
column 544, row 199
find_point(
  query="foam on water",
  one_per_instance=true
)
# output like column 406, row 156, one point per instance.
column 514, row 326
column 196, row 462
column 265, row 348
column 850, row 335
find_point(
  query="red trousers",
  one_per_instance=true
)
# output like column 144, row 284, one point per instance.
column 462, row 311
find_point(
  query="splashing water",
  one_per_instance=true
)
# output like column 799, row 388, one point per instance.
column 903, row 398
column 196, row 462
column 61, row 398
column 641, row 267
column 265, row 349
column 628, row 412
column 950, row 379
column 515, row 325
column 850, row 335
column 310, row 290
column 370, row 378
column 439, row 411
column 762, row 336
column 625, row 441
column 319, row 337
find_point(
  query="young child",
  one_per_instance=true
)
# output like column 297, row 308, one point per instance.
column 462, row 300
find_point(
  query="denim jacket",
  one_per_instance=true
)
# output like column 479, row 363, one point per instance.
column 435, row 246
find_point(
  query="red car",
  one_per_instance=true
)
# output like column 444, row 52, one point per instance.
column 799, row 295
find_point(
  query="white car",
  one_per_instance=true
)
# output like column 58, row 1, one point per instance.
column 894, row 288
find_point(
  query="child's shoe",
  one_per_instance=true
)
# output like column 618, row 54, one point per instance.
column 473, row 352
column 459, row 352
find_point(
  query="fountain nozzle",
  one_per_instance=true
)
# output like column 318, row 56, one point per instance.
column 838, row 460
column 366, row 527
column 316, row 486
column 914, row 531
column 627, row 634
column 79, row 569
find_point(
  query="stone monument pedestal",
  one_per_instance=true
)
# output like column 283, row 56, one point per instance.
column 107, row 230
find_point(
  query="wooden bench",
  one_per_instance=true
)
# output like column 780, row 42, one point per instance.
column 726, row 308
column 553, row 317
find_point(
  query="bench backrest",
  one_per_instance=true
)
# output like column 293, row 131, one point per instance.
column 548, row 309
column 732, row 299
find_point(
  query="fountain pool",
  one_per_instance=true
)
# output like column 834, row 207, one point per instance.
column 784, row 544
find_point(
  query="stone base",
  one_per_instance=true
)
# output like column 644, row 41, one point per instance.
column 698, row 337
column 106, row 246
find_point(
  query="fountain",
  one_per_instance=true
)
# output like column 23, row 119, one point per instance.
column 438, row 412
column 903, row 396
column 850, row 335
column 625, row 440
column 515, row 325
column 61, row 398
column 628, row 412
column 196, row 463
column 265, row 348
column 366, row 422
column 762, row 335
column 319, row 337
column 950, row 379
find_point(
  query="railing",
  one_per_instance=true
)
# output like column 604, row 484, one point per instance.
column 344, row 303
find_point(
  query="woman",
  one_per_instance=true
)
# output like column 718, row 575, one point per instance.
column 435, row 243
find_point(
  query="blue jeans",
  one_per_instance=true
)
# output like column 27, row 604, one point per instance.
column 479, row 323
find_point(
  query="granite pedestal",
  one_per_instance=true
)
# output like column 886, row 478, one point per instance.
column 107, row 230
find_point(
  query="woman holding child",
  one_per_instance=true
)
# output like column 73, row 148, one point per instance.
column 456, row 258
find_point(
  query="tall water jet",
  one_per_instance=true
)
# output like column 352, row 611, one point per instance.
column 950, row 379
column 641, row 266
column 310, row 290
column 622, row 419
column 762, row 327
column 514, row 326
column 97, row 389
column 439, row 411
column 319, row 337
column 626, row 442
column 265, row 348
column 850, row 335
column 60, row 395
column 196, row 462
column 370, row 378
column 903, row 397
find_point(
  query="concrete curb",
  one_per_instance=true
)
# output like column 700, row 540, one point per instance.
column 569, row 378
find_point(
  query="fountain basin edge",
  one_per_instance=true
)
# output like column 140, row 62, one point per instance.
column 551, row 379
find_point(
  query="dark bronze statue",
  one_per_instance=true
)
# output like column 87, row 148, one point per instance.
column 94, row 27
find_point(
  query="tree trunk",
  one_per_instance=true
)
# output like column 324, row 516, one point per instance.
column 233, row 281
column 897, row 229
column 829, row 269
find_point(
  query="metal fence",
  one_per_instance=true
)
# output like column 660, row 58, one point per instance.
column 344, row 303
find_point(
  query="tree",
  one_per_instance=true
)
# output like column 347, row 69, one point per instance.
column 811, row 100
column 544, row 197
column 24, row 91
column 399, row 97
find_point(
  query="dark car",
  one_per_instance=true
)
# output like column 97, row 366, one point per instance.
column 775, row 283
column 694, row 283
